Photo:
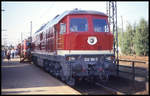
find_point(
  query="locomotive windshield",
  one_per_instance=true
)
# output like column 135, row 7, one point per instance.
column 78, row 24
column 100, row 25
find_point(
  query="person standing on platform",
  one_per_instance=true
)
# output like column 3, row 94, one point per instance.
column 12, row 53
column 8, row 55
column 15, row 52
column 3, row 55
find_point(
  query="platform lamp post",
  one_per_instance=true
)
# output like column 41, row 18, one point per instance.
column 4, row 38
column 31, row 32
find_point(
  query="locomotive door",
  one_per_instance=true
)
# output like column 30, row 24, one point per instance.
column 55, row 39
column 51, row 40
column 60, row 37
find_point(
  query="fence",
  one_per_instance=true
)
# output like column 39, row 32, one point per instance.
column 133, row 62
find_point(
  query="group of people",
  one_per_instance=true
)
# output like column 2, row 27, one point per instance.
column 10, row 53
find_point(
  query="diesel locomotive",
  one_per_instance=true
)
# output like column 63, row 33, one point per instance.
column 75, row 45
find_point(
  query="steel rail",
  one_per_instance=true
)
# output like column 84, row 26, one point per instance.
column 114, row 91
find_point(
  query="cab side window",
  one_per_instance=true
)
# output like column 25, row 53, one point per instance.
column 62, row 28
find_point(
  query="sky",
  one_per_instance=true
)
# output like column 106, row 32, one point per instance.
column 17, row 16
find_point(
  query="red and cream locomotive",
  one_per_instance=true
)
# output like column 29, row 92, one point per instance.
column 75, row 45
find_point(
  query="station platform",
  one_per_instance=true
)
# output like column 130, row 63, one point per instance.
column 24, row 78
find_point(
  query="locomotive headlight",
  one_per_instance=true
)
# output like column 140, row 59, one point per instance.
column 108, row 58
column 70, row 58
column 92, row 40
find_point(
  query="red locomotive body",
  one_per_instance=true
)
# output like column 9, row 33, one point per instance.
column 75, row 41
column 49, row 41
column 23, row 48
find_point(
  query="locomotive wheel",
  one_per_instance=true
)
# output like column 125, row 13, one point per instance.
column 62, row 77
column 50, row 69
column 46, row 66
column 104, row 76
column 57, row 68
column 35, row 60
column 53, row 69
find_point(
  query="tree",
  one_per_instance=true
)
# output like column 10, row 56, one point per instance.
column 125, row 48
column 134, row 33
column 120, row 39
column 127, row 42
column 141, row 42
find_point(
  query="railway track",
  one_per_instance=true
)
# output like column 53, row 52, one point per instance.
column 95, row 88
column 111, row 90
column 88, row 88
column 116, row 86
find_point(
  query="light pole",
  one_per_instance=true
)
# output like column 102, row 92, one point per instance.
column 30, row 39
column 4, row 38
column 31, row 30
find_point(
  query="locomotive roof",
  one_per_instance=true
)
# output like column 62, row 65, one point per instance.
column 57, row 18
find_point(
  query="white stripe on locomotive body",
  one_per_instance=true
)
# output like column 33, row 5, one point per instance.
column 44, row 53
column 69, row 52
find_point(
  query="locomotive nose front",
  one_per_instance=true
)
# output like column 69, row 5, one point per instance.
column 88, row 41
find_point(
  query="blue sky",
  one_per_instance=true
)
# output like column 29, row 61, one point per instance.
column 17, row 15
